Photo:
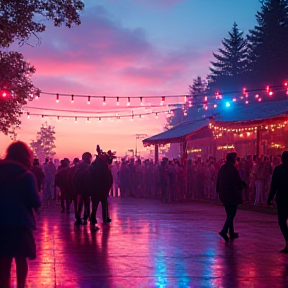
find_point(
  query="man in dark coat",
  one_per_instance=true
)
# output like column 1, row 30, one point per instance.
column 61, row 182
column 70, row 184
column 229, row 187
column 279, row 187
column 38, row 173
column 81, row 188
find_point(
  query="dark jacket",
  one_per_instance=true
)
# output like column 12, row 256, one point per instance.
column 61, row 180
column 229, row 184
column 39, row 175
column 18, row 195
column 279, row 186
column 81, row 180
column 101, row 178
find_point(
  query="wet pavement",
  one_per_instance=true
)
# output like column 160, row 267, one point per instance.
column 150, row 244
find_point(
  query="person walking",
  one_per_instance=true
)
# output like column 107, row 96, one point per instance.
column 229, row 186
column 279, row 187
column 18, row 198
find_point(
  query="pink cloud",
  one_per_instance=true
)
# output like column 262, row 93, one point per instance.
column 103, row 55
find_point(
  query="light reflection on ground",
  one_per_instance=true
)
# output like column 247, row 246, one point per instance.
column 150, row 244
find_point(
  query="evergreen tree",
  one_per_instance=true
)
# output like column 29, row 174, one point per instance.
column 196, row 97
column 268, row 44
column 44, row 145
column 197, row 92
column 198, row 88
column 231, row 62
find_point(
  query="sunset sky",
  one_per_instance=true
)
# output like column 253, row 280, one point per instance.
column 124, row 48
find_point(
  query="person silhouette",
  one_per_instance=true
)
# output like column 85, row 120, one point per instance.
column 18, row 198
column 279, row 187
column 229, row 187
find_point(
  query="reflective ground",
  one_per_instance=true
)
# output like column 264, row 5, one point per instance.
column 150, row 244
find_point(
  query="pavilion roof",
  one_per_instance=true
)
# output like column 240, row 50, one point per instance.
column 181, row 132
column 254, row 113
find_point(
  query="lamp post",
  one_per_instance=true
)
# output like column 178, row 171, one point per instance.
column 139, row 136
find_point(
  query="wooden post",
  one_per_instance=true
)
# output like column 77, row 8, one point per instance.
column 156, row 153
column 259, row 142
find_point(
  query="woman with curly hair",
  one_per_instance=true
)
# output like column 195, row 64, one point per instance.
column 18, row 198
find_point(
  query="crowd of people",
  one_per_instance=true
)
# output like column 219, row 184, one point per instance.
column 172, row 181
column 70, row 183
column 169, row 180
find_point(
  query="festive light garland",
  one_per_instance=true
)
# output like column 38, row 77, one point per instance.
column 118, row 116
column 188, row 100
column 219, row 130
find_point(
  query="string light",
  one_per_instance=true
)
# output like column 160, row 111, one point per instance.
column 88, row 120
column 72, row 98
column 162, row 100
column 57, row 98
column 128, row 101
column 99, row 119
column 89, row 99
column 28, row 115
column 104, row 100
column 141, row 101
column 58, row 118
column 156, row 115
column 117, row 101
column 76, row 119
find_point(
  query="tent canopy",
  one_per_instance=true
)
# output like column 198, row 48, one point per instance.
column 179, row 133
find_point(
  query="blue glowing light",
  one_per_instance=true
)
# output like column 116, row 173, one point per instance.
column 227, row 104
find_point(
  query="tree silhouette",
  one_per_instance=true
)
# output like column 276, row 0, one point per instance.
column 45, row 143
column 20, row 20
column 16, row 89
column 268, row 43
column 231, row 62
